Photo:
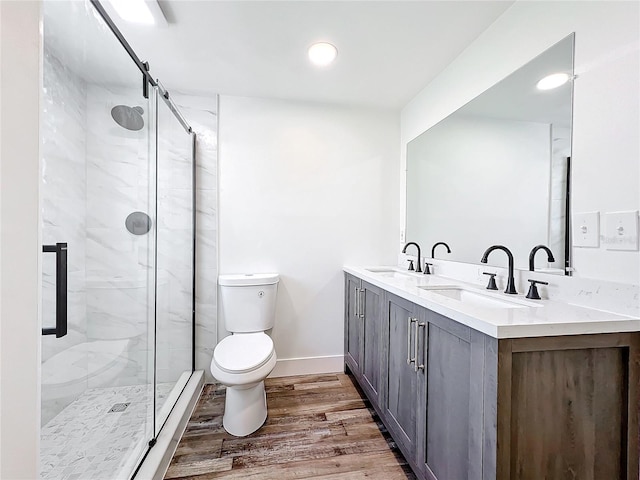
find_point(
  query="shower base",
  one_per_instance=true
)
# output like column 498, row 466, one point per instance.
column 85, row 440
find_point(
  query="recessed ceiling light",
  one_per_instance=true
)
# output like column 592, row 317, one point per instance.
column 554, row 80
column 146, row 12
column 322, row 53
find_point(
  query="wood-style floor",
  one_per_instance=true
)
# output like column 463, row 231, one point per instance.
column 318, row 427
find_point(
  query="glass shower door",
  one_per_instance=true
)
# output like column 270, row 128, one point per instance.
column 175, row 262
column 97, row 198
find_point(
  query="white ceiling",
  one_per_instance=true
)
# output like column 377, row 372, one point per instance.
column 388, row 50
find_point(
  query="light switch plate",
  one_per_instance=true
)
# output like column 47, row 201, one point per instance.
column 621, row 230
column 586, row 229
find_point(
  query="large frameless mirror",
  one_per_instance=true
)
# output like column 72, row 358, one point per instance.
column 497, row 170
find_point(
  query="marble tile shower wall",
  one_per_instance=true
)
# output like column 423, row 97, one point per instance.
column 175, row 246
column 202, row 115
column 560, row 150
column 63, row 193
column 119, row 264
column 94, row 174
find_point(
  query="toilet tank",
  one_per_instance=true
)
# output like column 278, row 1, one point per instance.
column 248, row 301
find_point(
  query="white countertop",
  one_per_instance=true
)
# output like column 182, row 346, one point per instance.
column 527, row 318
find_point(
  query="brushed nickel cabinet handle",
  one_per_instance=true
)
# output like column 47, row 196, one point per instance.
column 410, row 321
column 363, row 306
column 355, row 308
column 417, row 367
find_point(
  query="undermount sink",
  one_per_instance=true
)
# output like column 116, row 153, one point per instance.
column 390, row 273
column 476, row 298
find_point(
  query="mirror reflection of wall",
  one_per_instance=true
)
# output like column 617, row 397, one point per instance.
column 495, row 171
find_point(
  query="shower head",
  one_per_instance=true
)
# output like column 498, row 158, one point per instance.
column 128, row 117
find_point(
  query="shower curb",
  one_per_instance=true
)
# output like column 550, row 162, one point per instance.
column 157, row 461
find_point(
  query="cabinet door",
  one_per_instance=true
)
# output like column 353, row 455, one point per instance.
column 353, row 324
column 400, row 396
column 457, row 363
column 371, row 339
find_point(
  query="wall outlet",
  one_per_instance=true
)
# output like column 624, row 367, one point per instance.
column 586, row 229
column 621, row 230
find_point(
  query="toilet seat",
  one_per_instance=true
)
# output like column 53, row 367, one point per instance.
column 242, row 353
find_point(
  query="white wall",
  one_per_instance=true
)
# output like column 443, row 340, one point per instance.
column 606, row 103
column 19, row 180
column 305, row 189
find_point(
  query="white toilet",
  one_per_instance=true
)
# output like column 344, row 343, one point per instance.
column 243, row 360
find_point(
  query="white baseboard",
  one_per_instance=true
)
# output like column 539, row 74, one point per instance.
column 289, row 367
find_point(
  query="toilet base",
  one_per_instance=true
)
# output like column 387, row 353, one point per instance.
column 245, row 409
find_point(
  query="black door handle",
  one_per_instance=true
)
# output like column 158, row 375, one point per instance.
column 60, row 249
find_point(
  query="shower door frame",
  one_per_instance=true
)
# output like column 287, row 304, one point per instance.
column 164, row 94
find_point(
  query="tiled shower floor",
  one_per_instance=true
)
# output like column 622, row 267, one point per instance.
column 84, row 441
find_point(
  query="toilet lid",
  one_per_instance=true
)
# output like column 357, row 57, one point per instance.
column 243, row 352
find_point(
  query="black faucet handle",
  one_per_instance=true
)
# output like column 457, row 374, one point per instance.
column 426, row 268
column 533, row 289
column 492, row 281
column 411, row 268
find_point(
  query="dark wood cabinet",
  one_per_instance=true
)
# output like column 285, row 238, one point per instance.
column 462, row 405
column 363, row 339
column 400, row 397
column 457, row 429
column 352, row 334
column 371, row 339
column 437, row 373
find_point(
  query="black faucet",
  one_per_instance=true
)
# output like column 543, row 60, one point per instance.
column 533, row 290
column 511, row 283
column 534, row 250
column 433, row 249
column 404, row 250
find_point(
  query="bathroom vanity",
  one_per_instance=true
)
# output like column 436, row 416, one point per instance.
column 479, row 385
